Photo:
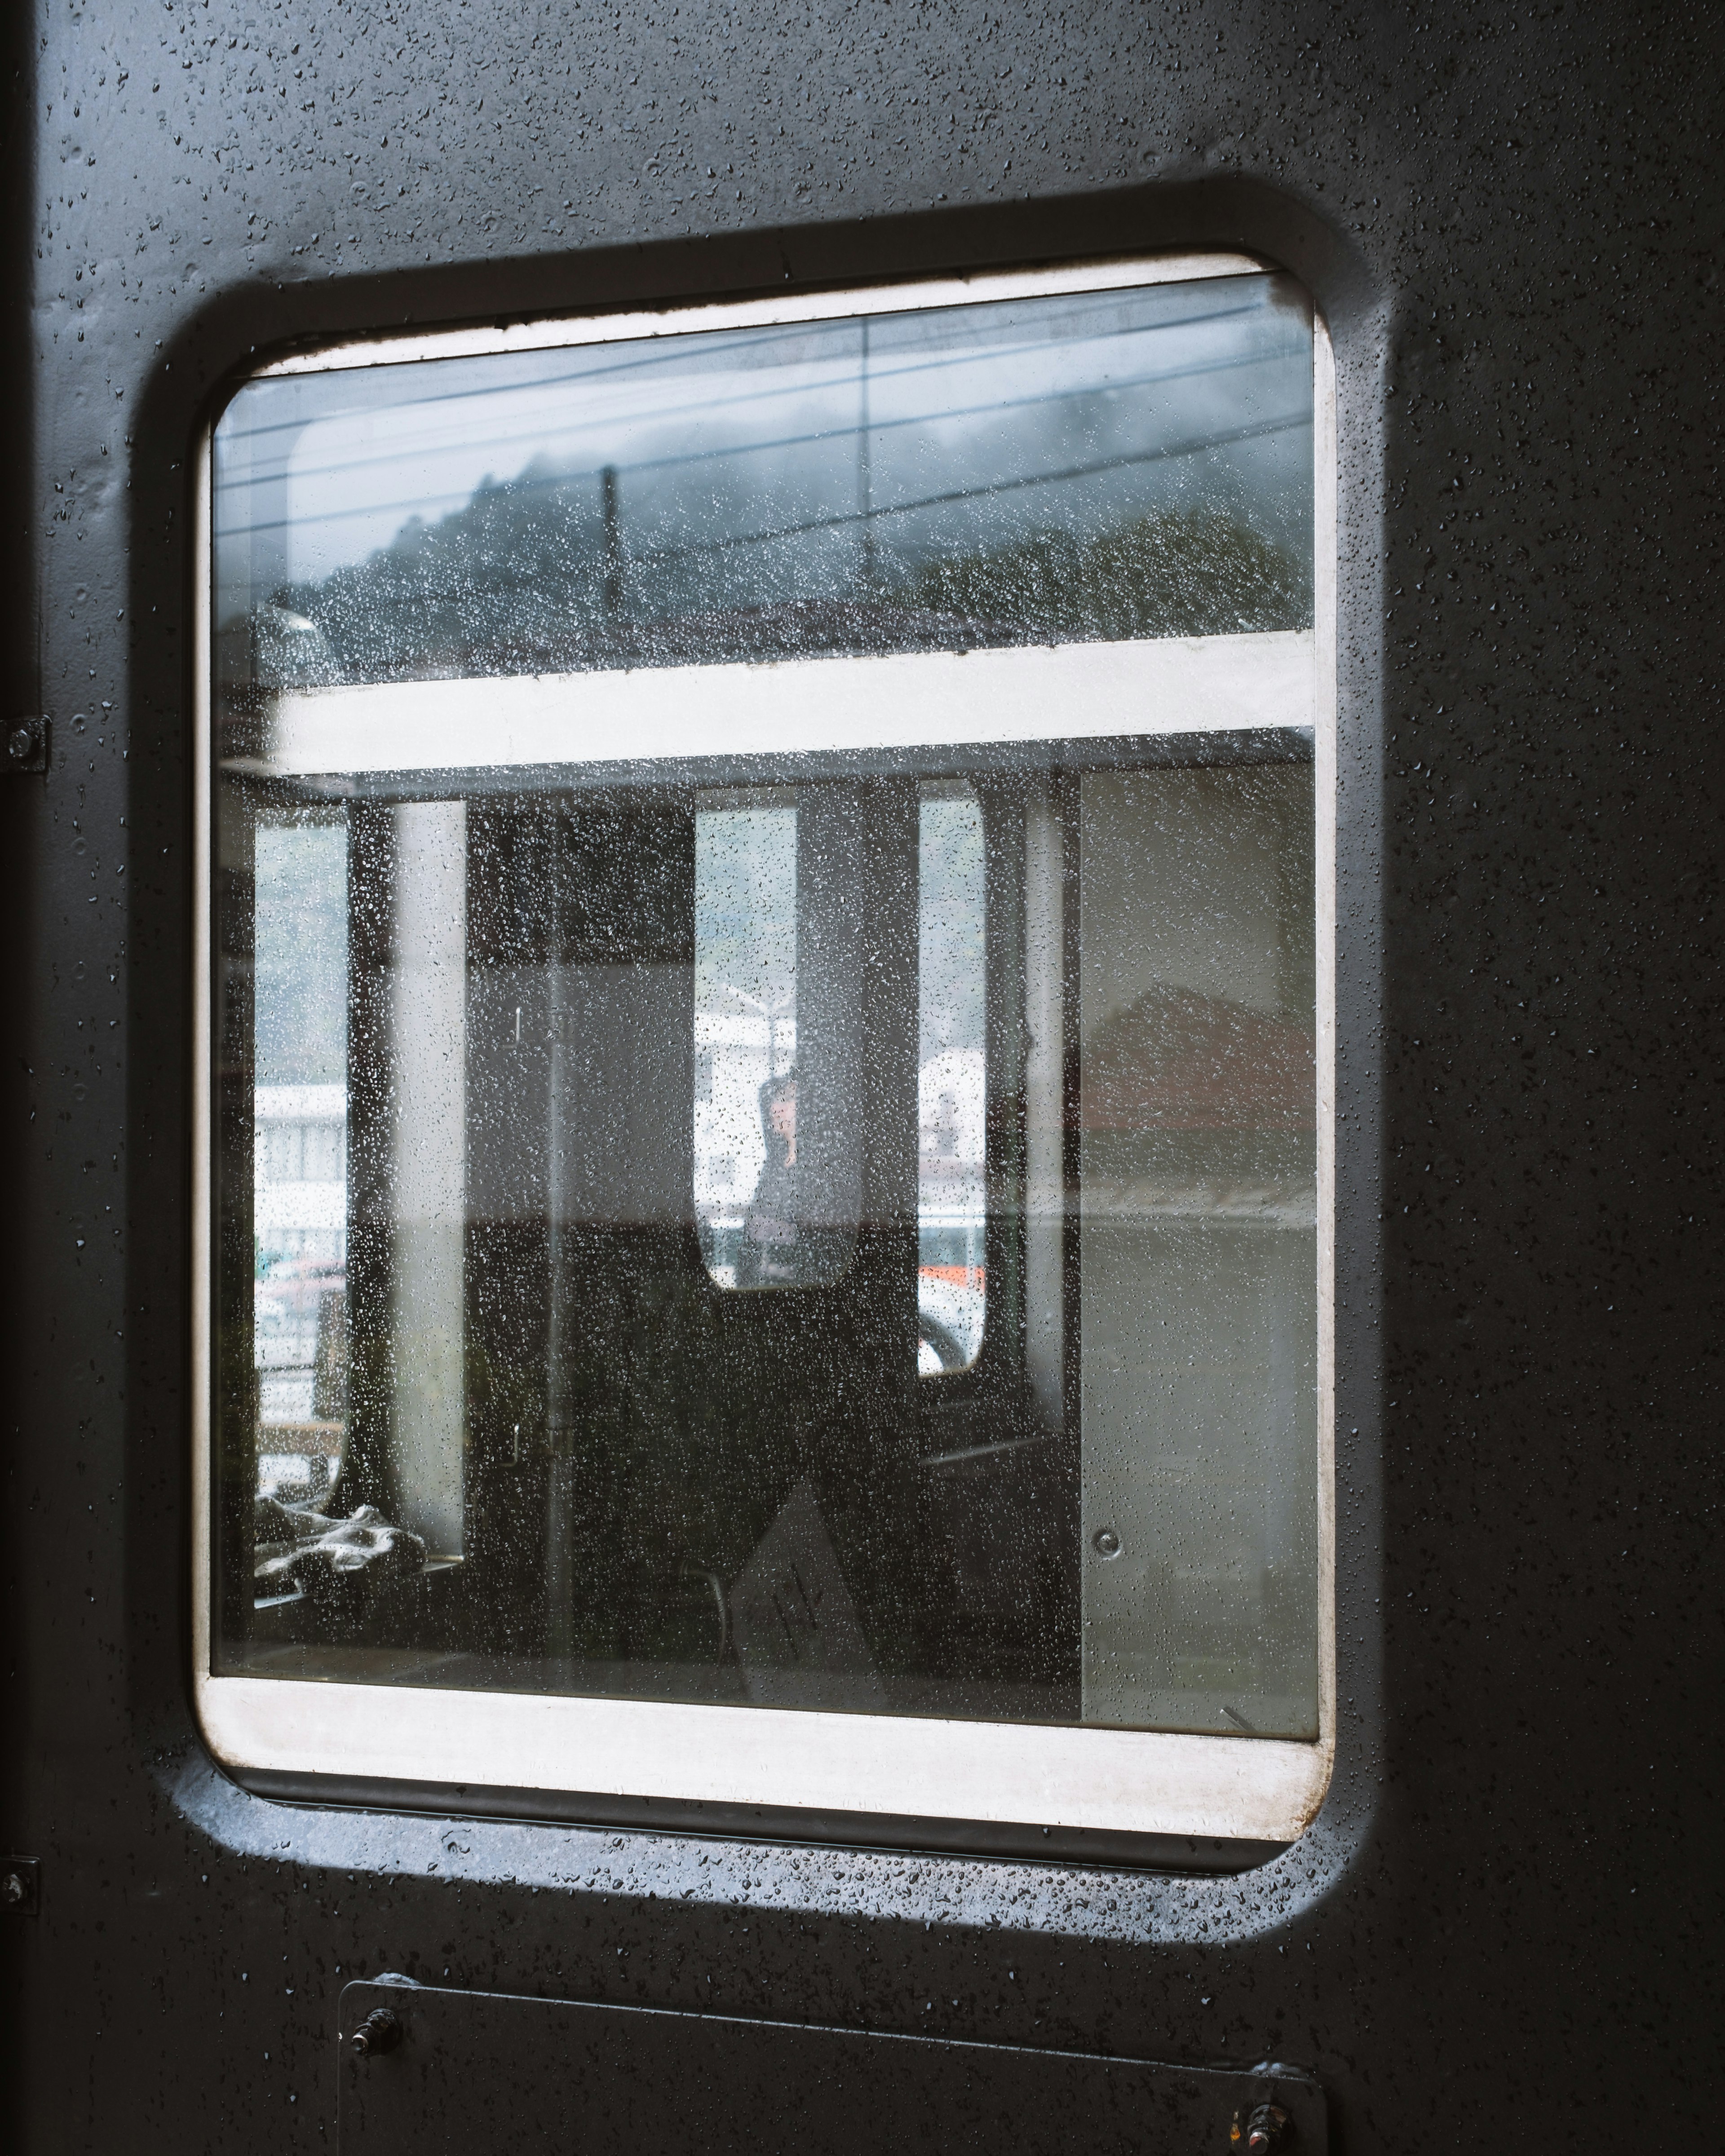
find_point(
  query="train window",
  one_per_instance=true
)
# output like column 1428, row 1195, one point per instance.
column 766, row 1235
column 775, row 1158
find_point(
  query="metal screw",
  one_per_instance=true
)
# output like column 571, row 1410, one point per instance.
column 379, row 2032
column 13, row 1892
column 1106, row 1543
column 1268, row 2128
column 26, row 737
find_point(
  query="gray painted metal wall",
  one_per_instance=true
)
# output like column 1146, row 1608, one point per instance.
column 1498, row 1930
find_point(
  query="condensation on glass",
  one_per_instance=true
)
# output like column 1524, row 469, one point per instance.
column 763, row 1058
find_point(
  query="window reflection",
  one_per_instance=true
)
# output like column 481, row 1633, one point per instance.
column 745, row 1030
column 952, row 1083
column 300, row 1199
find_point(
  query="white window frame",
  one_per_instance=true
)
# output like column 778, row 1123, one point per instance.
column 1142, row 1783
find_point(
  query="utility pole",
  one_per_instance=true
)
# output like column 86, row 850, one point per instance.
column 614, row 543
column 865, row 477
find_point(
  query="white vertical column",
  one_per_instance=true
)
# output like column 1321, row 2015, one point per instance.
column 1044, row 1106
column 428, row 1164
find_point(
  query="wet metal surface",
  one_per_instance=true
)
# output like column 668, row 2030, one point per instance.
column 1512, row 221
column 478, row 2069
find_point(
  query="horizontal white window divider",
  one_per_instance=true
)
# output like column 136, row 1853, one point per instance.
column 800, row 706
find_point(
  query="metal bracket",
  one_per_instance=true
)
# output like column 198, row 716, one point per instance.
column 27, row 743
column 20, row 1885
column 423, row 2066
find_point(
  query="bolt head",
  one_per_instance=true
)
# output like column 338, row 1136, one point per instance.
column 19, row 743
column 379, row 2032
column 11, row 1890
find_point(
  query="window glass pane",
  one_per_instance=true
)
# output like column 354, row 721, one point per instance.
column 716, row 1206
column 1119, row 465
column 952, row 1083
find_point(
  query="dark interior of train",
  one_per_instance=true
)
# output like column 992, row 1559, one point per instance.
column 1032, row 1120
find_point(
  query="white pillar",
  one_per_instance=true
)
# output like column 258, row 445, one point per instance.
column 428, row 1162
column 1045, row 1108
